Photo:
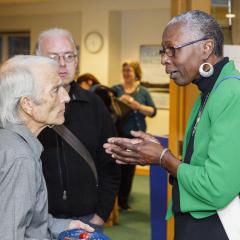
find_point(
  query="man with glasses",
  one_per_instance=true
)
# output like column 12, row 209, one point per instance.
column 72, row 188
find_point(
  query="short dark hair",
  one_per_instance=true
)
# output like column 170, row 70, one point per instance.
column 86, row 77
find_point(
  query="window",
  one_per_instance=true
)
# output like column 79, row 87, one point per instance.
column 13, row 43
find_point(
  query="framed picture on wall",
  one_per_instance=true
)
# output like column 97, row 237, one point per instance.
column 154, row 75
column 160, row 98
column 153, row 70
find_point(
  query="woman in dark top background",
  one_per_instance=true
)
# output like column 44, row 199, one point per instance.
column 138, row 98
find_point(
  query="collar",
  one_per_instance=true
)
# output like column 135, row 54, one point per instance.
column 28, row 137
column 206, row 84
column 78, row 94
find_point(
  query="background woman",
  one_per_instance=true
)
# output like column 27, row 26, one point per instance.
column 138, row 98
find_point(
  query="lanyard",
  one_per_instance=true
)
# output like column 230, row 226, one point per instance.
column 200, row 114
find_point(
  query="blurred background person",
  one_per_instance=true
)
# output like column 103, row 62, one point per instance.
column 139, row 100
column 87, row 81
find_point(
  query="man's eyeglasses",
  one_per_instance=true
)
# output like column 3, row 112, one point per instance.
column 170, row 51
column 68, row 57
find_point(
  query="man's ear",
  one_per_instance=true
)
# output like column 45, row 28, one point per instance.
column 208, row 47
column 26, row 105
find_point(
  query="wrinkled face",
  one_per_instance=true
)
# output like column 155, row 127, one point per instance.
column 50, row 110
column 62, row 50
column 183, row 66
column 128, row 73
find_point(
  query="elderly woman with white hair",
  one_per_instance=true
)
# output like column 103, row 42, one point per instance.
column 207, row 179
column 32, row 98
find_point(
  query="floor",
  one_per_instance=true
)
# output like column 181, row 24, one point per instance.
column 134, row 225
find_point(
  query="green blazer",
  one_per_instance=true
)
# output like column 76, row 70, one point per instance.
column 212, row 179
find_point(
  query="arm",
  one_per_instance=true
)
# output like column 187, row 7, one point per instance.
column 148, row 108
column 217, row 182
column 18, row 196
column 135, row 105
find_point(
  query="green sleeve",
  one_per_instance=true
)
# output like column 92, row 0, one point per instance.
column 216, row 182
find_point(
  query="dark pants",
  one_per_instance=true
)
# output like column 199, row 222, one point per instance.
column 189, row 228
column 126, row 184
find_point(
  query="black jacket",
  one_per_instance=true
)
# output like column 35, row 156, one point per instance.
column 72, row 190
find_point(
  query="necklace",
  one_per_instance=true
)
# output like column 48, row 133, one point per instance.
column 200, row 114
column 133, row 89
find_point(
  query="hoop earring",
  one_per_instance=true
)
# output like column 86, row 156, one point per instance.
column 208, row 73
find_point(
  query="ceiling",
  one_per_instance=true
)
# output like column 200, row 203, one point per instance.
column 22, row 1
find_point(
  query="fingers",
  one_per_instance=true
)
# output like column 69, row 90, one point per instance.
column 120, row 162
column 124, row 160
column 79, row 224
column 123, row 144
column 141, row 135
column 117, row 139
column 144, row 136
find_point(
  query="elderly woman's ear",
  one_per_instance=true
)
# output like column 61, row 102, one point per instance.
column 208, row 48
column 26, row 105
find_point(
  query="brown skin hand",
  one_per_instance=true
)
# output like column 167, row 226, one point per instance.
column 143, row 149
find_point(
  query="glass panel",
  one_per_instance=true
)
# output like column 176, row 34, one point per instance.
column 1, row 54
column 18, row 45
column 219, row 10
column 220, row 2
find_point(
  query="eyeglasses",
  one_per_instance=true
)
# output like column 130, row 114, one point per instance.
column 68, row 57
column 170, row 51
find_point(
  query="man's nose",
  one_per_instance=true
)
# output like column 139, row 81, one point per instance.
column 62, row 61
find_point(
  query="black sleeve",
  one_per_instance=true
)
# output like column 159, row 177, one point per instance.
column 108, row 170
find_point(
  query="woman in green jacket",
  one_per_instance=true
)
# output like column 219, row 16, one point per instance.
column 208, row 177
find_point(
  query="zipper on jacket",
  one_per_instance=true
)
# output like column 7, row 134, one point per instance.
column 64, row 195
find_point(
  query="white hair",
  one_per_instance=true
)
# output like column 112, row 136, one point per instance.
column 18, row 78
column 200, row 24
column 54, row 32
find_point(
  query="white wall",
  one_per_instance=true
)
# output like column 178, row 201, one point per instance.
column 124, row 24
column 37, row 23
column 145, row 27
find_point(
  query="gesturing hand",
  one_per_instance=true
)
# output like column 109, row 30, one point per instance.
column 144, row 149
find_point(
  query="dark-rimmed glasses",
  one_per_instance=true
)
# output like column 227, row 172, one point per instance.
column 170, row 51
column 68, row 57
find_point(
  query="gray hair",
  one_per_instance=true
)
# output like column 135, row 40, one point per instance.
column 18, row 78
column 201, row 24
column 54, row 32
